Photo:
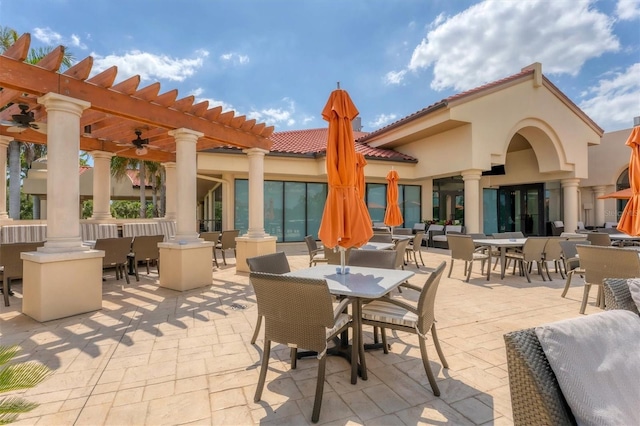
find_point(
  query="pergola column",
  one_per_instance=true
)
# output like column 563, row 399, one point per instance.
column 186, row 261
column 598, row 214
column 64, row 277
column 101, row 185
column 570, row 195
column 170, row 191
column 471, row 180
column 4, row 144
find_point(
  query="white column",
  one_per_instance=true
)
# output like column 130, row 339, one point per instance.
column 256, row 192
column 570, row 195
column 228, row 213
column 170, row 191
column 599, row 211
column 101, row 185
column 4, row 144
column 471, row 180
column 63, row 179
column 186, row 172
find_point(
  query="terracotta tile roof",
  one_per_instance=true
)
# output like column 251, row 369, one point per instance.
column 313, row 143
column 84, row 169
column 135, row 179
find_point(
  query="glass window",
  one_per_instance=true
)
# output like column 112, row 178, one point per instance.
column 622, row 183
column 241, row 215
column 294, row 211
column 376, row 201
column 436, row 206
column 410, row 204
column 316, row 198
column 273, row 208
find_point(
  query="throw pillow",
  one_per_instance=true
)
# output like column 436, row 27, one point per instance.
column 634, row 288
column 596, row 361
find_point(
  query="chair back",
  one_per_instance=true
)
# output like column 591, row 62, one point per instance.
column 568, row 247
column 115, row 250
column 461, row 246
column 272, row 263
column 599, row 239
column 477, row 235
column 297, row 311
column 333, row 256
column 401, row 248
column 10, row 257
column 312, row 246
column 420, row 226
column 427, row 300
column 228, row 238
column 373, row 258
column 500, row 235
column 146, row 246
column 402, row 231
column 553, row 250
column 381, row 238
column 417, row 239
column 607, row 262
column 211, row 236
column 533, row 249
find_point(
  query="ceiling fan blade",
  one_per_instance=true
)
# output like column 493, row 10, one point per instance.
column 7, row 123
column 39, row 127
column 16, row 129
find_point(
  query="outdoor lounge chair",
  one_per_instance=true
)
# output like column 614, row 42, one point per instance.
column 116, row 254
column 273, row 263
column 463, row 248
column 397, row 314
column 299, row 313
column 145, row 249
column 12, row 263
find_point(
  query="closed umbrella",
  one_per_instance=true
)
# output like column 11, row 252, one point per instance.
column 629, row 222
column 345, row 220
column 392, row 216
column 360, row 163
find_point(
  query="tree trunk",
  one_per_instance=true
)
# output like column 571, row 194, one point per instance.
column 143, row 187
column 154, row 194
column 14, row 180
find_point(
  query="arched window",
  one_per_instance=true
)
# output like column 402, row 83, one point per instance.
column 622, row 183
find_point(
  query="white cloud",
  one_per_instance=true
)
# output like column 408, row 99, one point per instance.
column 235, row 58
column 628, row 10
column 76, row 42
column 149, row 66
column 615, row 101
column 382, row 120
column 47, row 36
column 197, row 93
column 274, row 116
column 394, row 77
column 495, row 38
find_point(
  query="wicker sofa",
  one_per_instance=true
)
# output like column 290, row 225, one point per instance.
column 536, row 397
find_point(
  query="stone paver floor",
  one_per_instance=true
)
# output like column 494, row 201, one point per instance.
column 156, row 356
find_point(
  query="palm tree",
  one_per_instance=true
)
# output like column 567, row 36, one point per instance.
column 119, row 168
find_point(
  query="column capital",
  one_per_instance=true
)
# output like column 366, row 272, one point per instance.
column 185, row 134
column 599, row 190
column 169, row 165
column 573, row 182
column 101, row 154
column 255, row 151
column 6, row 140
column 63, row 103
column 471, row 174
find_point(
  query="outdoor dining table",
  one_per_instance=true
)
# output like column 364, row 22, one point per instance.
column 623, row 238
column 502, row 244
column 372, row 245
column 360, row 283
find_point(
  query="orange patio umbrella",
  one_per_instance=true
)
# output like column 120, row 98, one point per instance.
column 360, row 163
column 629, row 222
column 392, row 216
column 345, row 220
column 623, row 194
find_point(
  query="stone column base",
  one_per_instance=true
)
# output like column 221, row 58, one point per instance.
column 249, row 247
column 186, row 266
column 59, row 285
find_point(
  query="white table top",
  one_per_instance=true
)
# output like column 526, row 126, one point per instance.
column 377, row 246
column 501, row 242
column 622, row 236
column 369, row 283
column 401, row 237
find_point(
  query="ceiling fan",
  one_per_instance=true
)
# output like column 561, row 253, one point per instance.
column 139, row 144
column 23, row 121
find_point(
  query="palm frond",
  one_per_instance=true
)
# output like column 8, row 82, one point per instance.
column 7, row 353
column 10, row 407
column 22, row 376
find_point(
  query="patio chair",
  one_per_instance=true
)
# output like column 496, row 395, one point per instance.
column 12, row 264
column 273, row 263
column 463, row 248
column 532, row 252
column 398, row 314
column 381, row 238
column 227, row 242
column 214, row 237
column 557, row 227
column 553, row 253
column 116, row 254
column 599, row 239
column 605, row 262
column 315, row 254
column 145, row 249
column 333, row 256
column 400, row 249
column 571, row 261
column 299, row 313
column 373, row 258
column 414, row 247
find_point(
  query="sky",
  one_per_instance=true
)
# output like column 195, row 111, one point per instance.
column 278, row 60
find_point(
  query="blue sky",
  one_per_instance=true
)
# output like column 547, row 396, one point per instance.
column 278, row 60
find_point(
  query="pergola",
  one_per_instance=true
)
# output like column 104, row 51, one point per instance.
column 95, row 115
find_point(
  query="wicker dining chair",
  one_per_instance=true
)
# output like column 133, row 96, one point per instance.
column 12, row 264
column 385, row 259
column 571, row 261
column 599, row 239
column 272, row 263
column 532, row 252
column 299, row 313
column 553, row 253
column 381, row 238
column 415, row 247
column 316, row 254
column 601, row 262
column 214, row 237
column 227, row 242
column 116, row 254
column 398, row 314
column 463, row 248
column 145, row 249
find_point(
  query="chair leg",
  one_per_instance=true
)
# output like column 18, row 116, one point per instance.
column 450, row 268
column 294, row 358
column 375, row 335
column 469, row 268
column 436, row 343
column 5, row 290
column 263, row 370
column 224, row 259
column 385, row 346
column 123, row 271
column 317, row 403
column 135, row 269
column 427, row 367
column 567, row 284
column 257, row 330
column 215, row 258
column 525, row 268
column 585, row 297
column 421, row 259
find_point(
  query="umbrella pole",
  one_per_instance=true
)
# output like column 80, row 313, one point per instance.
column 342, row 261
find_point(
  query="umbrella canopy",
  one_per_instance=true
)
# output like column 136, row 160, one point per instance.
column 623, row 194
column 629, row 222
column 392, row 216
column 360, row 163
column 345, row 220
